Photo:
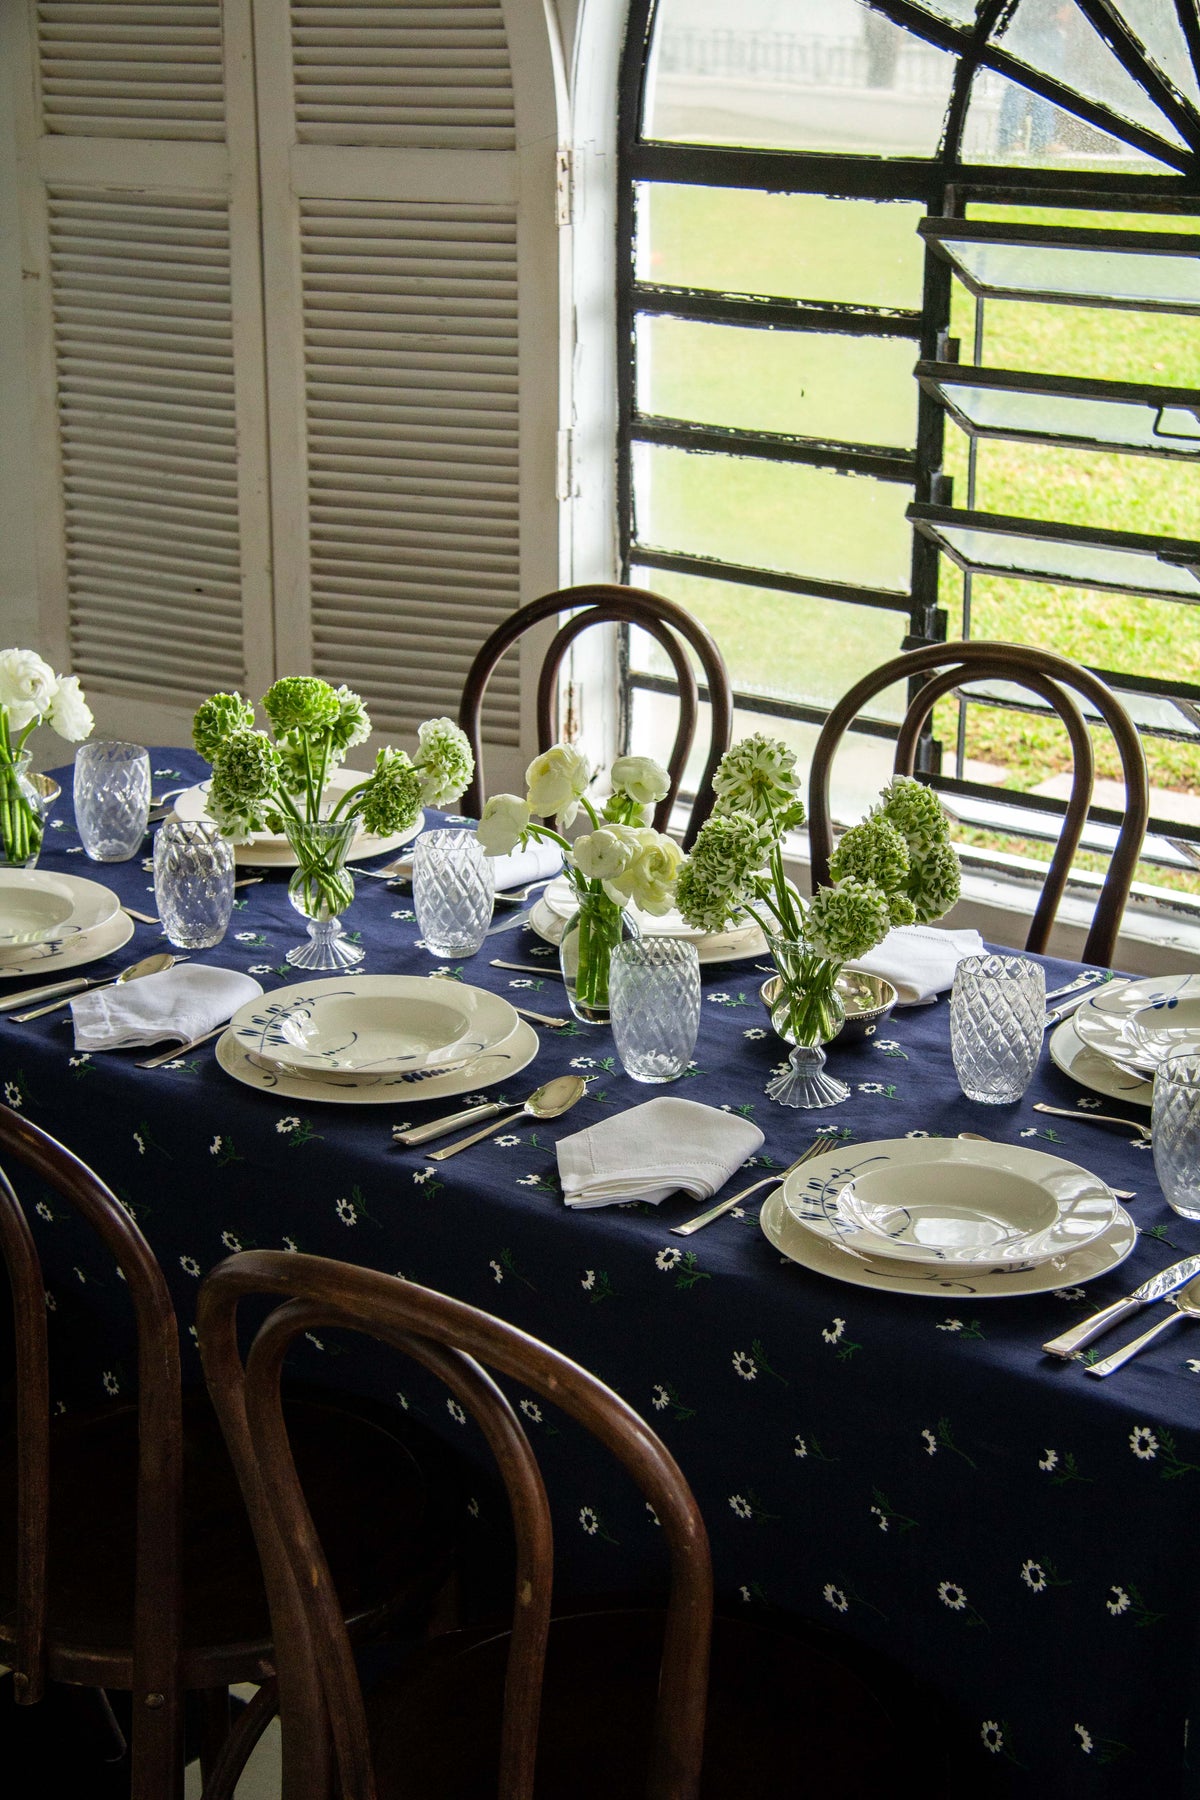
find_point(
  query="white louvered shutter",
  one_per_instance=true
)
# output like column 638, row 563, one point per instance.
column 410, row 258
column 140, row 221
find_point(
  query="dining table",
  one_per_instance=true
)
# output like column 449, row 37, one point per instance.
column 910, row 1471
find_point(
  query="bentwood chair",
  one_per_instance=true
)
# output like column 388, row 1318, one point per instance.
column 600, row 1706
column 126, row 1558
column 602, row 604
column 942, row 668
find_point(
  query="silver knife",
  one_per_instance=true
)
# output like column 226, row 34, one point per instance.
column 1089, row 977
column 1157, row 1288
column 1059, row 1013
column 521, row 918
column 49, row 992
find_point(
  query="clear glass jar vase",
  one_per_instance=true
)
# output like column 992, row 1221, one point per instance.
column 808, row 1014
column 320, row 890
column 24, row 801
column 585, row 950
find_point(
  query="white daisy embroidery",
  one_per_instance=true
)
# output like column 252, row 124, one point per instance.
column 659, row 1398
column 931, row 1444
column 799, row 1446
column 589, row 1518
column 916, row 1134
column 532, row 1410
column 51, row 1302
column 497, row 1271
column 1143, row 1442
column 289, row 1243
column 112, row 1386
column 741, row 1506
column 1085, row 1739
column 951, row 1595
column 291, row 1123
column 43, row 1212
column 77, row 1062
column 346, row 1211
column 12, row 1094
column 189, row 1265
column 140, row 1141
column 754, row 1033
column 1034, row 1577
column 230, row 1242
column 1118, row 1602
column 1072, row 1293
column 950, row 1325
column 745, row 1365
column 456, row 1412
column 507, row 1140
column 666, row 1259
column 836, row 1598
column 583, row 1062
column 1049, row 1461
column 588, row 1280
column 993, row 1737
column 835, row 1331
column 421, row 1176
column 871, row 1087
column 214, row 1149
column 881, row 1516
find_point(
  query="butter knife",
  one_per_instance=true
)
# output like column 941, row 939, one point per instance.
column 1157, row 1288
column 50, row 991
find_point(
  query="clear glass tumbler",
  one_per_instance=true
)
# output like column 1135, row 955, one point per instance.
column 997, row 1021
column 1175, row 1130
column 453, row 891
column 112, row 798
column 654, row 997
column 193, row 883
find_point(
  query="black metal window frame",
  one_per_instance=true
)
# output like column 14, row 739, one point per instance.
column 946, row 186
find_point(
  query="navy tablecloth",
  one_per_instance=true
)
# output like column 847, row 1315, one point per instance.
column 912, row 1472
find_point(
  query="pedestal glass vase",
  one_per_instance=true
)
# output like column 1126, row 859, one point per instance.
column 22, row 813
column 321, row 890
column 807, row 1014
column 584, row 953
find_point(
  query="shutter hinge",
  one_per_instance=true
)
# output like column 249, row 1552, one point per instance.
column 563, row 185
column 566, row 465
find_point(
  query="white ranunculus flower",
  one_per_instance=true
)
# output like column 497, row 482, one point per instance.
column 504, row 819
column 557, row 778
column 70, row 714
column 641, row 778
column 649, row 879
column 601, row 855
column 27, row 686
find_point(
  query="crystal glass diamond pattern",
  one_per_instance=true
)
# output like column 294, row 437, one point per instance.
column 654, row 994
column 997, row 1020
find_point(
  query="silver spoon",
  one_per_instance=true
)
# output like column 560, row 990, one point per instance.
column 1184, row 1304
column 148, row 965
column 977, row 1137
column 1093, row 1118
column 548, row 1102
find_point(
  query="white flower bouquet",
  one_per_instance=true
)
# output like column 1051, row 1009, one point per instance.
column 31, row 694
column 621, row 859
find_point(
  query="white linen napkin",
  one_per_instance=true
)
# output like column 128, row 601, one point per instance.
column 537, row 862
column 919, row 960
column 665, row 1146
column 183, row 1003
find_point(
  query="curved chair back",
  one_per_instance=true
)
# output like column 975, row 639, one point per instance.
column 599, row 603
column 320, row 1699
column 157, row 1740
column 950, row 666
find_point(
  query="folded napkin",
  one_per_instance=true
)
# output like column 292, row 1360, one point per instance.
column 184, row 1003
column 665, row 1146
column 919, row 960
column 535, row 863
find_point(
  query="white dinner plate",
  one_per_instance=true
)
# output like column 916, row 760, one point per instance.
column 268, row 850
column 825, row 1258
column 39, row 908
column 363, row 1028
column 735, row 945
column 90, row 946
column 515, row 1054
column 1090, row 1069
column 1108, row 1021
column 956, row 1203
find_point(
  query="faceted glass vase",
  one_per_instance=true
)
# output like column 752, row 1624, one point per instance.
column 585, row 951
column 24, row 802
column 320, row 890
column 807, row 1014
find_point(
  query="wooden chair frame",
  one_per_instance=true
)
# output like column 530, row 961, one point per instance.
column 953, row 665
column 601, row 603
column 320, row 1701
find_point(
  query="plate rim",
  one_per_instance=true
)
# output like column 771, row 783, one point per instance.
column 83, row 950
column 1018, row 1284
column 1090, row 1009
column 1066, row 1034
column 398, row 1093
column 9, row 950
column 969, row 1151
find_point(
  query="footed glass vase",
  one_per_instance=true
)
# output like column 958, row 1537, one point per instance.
column 321, row 890
column 807, row 1014
column 22, row 812
column 584, row 953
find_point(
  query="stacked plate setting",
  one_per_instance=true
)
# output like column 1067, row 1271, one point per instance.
column 948, row 1215
column 50, row 922
column 366, row 1039
column 1120, row 1034
column 736, row 943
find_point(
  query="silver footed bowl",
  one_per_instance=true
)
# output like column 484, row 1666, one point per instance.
column 868, row 999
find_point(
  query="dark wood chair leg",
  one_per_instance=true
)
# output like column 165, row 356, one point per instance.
column 214, row 1727
column 222, row 1778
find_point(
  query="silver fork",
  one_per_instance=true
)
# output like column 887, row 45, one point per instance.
column 771, row 1180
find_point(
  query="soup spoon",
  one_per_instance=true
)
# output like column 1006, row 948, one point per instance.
column 548, row 1102
column 148, row 965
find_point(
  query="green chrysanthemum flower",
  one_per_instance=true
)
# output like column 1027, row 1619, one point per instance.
column 245, row 774
column 935, row 882
column 873, row 851
column 715, row 881
column 391, row 797
column 758, row 776
column 301, row 703
column 914, row 810
column 292, row 765
column 353, row 723
column 847, row 920
column 217, row 718
column 444, row 761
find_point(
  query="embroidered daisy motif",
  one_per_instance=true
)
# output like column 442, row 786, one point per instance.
column 754, row 1032
column 314, row 1340
column 230, row 1242
column 588, row 1280
column 532, row 1410
column 112, row 1386
column 289, row 1243
column 916, row 1134
column 1049, row 1461
column 799, row 1447
column 931, row 1444
column 1119, row 1602
column 1030, row 1131
column 950, row 1325
column 12, row 1094
column 507, row 1141
column 1085, row 1739
column 43, row 1212
column 1143, row 1442
column 1075, row 1293
column 176, row 1064
column 421, row 1176
column 993, row 1737
column 51, row 1302
column 836, row 1598
column 666, row 1259
column 951, row 1595
column 140, row 1141
column 497, row 1272
column 835, row 1331
column 473, row 1508
column 524, row 1180
column 404, row 912
column 291, row 1123
column 745, row 1366
column 77, row 1062
column 718, row 999
column 1089, row 1105
column 346, row 1212
column 260, row 969
column 189, row 1265
column 1034, row 1577
column 583, row 1062
column 214, row 1149
column 881, row 1516
column 871, row 1087
column 521, row 982
column 659, row 1398
column 741, row 1506
column 456, row 1412
column 246, row 937
column 887, row 1044
column 1193, row 1364
column 589, row 1518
